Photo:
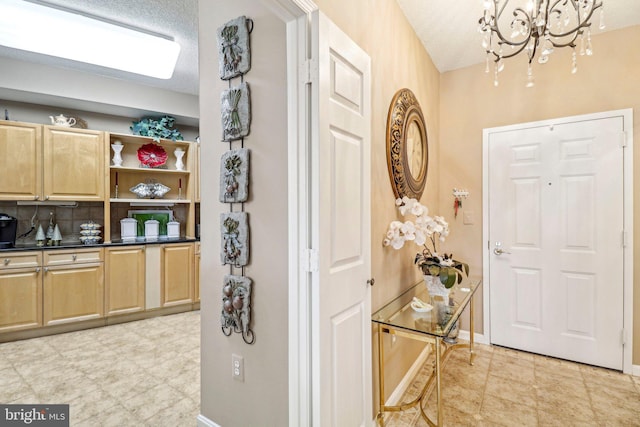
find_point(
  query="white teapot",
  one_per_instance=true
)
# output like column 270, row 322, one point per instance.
column 61, row 120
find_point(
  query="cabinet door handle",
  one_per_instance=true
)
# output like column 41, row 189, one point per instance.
column 7, row 261
column 46, row 197
column 46, row 269
column 74, row 257
column 37, row 269
column 36, row 197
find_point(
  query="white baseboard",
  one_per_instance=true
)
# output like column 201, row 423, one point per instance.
column 477, row 338
column 206, row 422
column 635, row 370
column 406, row 381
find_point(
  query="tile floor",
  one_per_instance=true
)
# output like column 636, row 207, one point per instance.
column 510, row 388
column 143, row 373
column 147, row 373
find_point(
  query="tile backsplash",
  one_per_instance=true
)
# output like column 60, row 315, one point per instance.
column 67, row 218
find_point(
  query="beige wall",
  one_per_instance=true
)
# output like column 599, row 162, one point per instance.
column 398, row 60
column 262, row 399
column 469, row 103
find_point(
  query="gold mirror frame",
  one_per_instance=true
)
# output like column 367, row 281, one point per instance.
column 405, row 111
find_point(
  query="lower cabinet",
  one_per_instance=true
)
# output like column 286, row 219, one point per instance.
column 20, row 298
column 73, row 286
column 124, row 280
column 177, row 267
column 62, row 286
column 196, row 274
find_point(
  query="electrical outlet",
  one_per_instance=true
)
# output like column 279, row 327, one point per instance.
column 237, row 367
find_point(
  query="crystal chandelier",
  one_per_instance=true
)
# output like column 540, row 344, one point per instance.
column 536, row 27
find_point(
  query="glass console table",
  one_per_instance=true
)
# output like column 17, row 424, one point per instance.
column 434, row 327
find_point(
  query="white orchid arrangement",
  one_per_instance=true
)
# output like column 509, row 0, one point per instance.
column 425, row 229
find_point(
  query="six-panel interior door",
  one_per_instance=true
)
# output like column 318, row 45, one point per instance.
column 555, row 230
column 341, row 297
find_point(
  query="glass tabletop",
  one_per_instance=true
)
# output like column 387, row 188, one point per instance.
column 436, row 321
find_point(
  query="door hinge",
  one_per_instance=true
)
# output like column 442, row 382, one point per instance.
column 623, row 139
column 624, row 239
column 308, row 71
column 309, row 260
column 623, row 336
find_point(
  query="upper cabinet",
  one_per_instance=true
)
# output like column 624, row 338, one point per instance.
column 50, row 163
column 73, row 164
column 20, row 161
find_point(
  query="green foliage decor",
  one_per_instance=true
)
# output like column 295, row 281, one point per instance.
column 157, row 129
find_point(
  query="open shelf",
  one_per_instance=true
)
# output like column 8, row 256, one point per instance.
column 146, row 170
column 150, row 201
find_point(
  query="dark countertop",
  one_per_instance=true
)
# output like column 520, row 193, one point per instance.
column 114, row 242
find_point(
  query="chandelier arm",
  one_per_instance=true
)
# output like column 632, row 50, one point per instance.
column 499, row 14
column 514, row 53
column 503, row 40
column 570, row 43
column 581, row 24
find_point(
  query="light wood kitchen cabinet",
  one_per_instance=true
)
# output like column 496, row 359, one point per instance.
column 20, row 291
column 196, row 274
column 73, row 291
column 20, row 161
column 51, row 163
column 74, row 164
column 124, row 280
column 177, row 265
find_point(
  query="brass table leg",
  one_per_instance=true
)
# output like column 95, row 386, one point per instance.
column 438, row 389
column 381, row 375
column 472, row 355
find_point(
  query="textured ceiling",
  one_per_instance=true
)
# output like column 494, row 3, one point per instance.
column 174, row 18
column 447, row 29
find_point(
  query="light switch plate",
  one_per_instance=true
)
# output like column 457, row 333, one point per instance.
column 468, row 218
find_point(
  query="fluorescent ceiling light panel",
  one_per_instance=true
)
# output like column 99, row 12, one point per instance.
column 50, row 31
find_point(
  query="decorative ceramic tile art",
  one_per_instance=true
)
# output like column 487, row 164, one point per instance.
column 234, row 176
column 236, row 112
column 234, row 56
column 234, row 228
column 236, row 307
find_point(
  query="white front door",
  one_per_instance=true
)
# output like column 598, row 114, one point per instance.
column 556, row 239
column 341, row 235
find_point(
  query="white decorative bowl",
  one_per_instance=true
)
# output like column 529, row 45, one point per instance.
column 90, row 226
column 90, row 240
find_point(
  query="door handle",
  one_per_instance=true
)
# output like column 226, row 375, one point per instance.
column 499, row 251
column 371, row 282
